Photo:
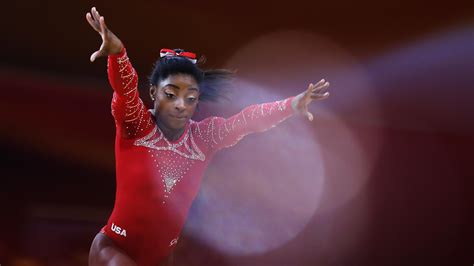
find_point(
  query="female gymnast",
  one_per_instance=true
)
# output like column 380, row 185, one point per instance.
column 161, row 154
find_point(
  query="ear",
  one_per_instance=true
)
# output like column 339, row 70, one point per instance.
column 153, row 90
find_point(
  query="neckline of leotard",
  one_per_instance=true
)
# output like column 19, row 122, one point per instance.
column 186, row 129
column 185, row 132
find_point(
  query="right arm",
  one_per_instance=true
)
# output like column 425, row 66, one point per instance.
column 130, row 114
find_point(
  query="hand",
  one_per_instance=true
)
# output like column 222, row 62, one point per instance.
column 316, row 91
column 111, row 44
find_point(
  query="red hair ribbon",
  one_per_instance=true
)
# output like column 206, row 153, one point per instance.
column 168, row 52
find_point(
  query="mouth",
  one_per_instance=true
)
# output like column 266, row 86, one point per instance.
column 179, row 117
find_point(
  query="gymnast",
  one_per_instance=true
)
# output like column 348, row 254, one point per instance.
column 161, row 153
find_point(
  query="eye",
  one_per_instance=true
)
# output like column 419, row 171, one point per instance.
column 191, row 99
column 169, row 95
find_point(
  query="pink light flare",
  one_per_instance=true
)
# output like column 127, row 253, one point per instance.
column 262, row 193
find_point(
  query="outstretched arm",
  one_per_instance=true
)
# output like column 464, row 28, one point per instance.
column 131, row 117
column 220, row 133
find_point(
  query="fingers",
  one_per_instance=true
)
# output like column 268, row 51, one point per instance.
column 93, row 18
column 91, row 21
column 319, row 90
column 96, row 54
column 102, row 24
column 321, row 93
column 316, row 91
column 305, row 112
column 320, row 86
column 321, row 82
column 319, row 96
column 96, row 21
column 95, row 14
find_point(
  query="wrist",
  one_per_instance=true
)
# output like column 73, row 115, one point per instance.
column 118, row 49
column 295, row 101
column 121, row 53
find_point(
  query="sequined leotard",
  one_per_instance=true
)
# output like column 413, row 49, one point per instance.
column 157, row 179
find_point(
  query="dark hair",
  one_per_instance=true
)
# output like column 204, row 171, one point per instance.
column 213, row 84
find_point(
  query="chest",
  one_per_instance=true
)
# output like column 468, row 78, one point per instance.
column 172, row 164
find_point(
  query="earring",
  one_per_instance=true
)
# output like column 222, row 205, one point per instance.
column 151, row 96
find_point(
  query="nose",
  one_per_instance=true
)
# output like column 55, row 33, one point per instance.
column 179, row 104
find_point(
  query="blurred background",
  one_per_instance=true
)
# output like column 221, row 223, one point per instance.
column 383, row 176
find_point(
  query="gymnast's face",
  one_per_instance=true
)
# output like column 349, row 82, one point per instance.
column 175, row 100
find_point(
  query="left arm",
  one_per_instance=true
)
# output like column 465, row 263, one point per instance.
column 221, row 133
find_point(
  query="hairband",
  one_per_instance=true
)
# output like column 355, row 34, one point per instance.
column 168, row 52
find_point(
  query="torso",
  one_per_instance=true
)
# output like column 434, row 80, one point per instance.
column 157, row 181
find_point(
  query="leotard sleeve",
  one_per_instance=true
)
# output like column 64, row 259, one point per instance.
column 220, row 133
column 130, row 114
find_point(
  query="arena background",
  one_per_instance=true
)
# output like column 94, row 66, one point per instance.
column 402, row 98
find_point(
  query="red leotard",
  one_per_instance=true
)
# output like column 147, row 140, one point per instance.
column 158, row 179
